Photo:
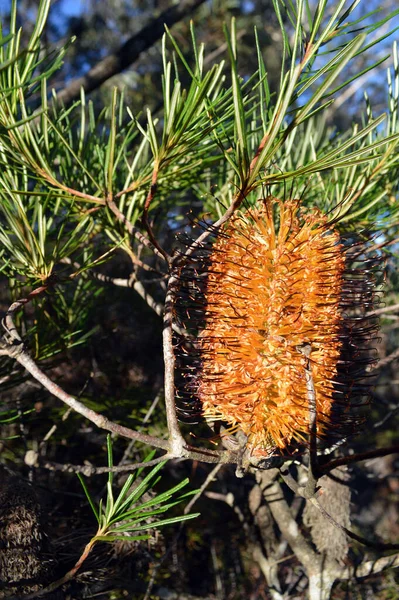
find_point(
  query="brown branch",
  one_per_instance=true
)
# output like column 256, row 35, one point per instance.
column 20, row 355
column 148, row 201
column 8, row 321
column 347, row 460
column 303, row 492
column 176, row 447
column 128, row 52
column 77, row 193
column 137, row 286
column 238, row 199
column 32, row 456
column 211, row 477
column 127, row 282
column 132, row 229
column 67, row 577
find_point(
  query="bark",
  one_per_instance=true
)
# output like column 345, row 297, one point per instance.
column 335, row 497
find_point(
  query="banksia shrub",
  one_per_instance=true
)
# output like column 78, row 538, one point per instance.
column 279, row 280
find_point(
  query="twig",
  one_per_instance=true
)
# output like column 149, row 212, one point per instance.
column 65, row 416
column 20, row 355
column 67, row 577
column 349, row 533
column 370, row 567
column 129, row 282
column 147, row 204
column 174, row 449
column 388, row 415
column 176, row 439
column 176, row 446
column 210, row 477
column 347, row 460
column 90, row 470
column 386, row 361
column 132, row 229
column 285, row 520
column 383, row 310
column 8, row 321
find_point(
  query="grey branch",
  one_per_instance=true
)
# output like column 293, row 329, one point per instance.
column 370, row 567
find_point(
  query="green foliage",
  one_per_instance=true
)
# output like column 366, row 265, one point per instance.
column 59, row 162
column 124, row 517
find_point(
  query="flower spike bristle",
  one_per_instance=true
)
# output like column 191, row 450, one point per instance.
column 276, row 280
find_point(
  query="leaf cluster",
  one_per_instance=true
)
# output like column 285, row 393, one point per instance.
column 124, row 517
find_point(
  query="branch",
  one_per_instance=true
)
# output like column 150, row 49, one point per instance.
column 238, row 199
column 386, row 361
column 8, row 321
column 347, row 460
column 211, row 476
column 175, row 436
column 19, row 354
column 285, row 520
column 349, row 533
column 303, row 492
column 371, row 567
column 12, row 346
column 90, row 470
column 132, row 229
column 128, row 52
column 383, row 310
column 127, row 282
column 173, row 446
column 147, row 204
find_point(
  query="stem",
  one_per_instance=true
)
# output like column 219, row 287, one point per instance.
column 67, row 577
column 132, row 229
column 102, row 422
column 147, row 204
column 347, row 460
column 175, row 437
column 236, row 203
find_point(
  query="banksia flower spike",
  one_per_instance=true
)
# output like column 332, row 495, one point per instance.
column 279, row 280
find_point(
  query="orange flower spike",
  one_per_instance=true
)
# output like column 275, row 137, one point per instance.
column 270, row 290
